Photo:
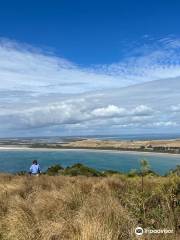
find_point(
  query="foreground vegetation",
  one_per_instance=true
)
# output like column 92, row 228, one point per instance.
column 106, row 207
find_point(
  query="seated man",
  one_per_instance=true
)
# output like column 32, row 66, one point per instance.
column 35, row 169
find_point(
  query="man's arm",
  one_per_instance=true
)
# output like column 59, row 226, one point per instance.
column 39, row 169
column 30, row 170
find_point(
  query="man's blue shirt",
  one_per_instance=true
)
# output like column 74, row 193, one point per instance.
column 35, row 169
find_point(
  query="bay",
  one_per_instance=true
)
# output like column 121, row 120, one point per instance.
column 19, row 160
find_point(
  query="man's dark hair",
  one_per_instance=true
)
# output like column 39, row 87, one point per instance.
column 34, row 162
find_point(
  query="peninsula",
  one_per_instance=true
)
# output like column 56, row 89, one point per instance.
column 163, row 146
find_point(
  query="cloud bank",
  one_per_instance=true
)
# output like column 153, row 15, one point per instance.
column 43, row 94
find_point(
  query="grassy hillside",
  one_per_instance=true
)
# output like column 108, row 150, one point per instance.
column 92, row 208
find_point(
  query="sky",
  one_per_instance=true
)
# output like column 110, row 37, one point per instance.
column 89, row 67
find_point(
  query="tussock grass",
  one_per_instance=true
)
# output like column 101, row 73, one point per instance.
column 87, row 208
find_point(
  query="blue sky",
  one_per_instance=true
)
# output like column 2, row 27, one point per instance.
column 88, row 32
column 89, row 67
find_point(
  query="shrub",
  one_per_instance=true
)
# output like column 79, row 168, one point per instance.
column 80, row 169
column 54, row 170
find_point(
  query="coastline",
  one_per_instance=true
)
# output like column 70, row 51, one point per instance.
column 145, row 153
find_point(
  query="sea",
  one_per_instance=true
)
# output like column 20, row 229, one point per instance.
column 13, row 161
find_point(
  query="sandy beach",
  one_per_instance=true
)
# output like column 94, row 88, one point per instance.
column 142, row 153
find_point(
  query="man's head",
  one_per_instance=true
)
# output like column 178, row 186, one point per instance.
column 34, row 162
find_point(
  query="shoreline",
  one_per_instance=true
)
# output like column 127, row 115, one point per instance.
column 87, row 149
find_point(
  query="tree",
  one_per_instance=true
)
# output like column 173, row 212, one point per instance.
column 145, row 167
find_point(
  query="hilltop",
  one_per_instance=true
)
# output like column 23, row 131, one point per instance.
column 88, row 208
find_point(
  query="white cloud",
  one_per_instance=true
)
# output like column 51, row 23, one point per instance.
column 69, row 112
column 165, row 124
column 109, row 111
column 23, row 67
column 142, row 110
column 175, row 108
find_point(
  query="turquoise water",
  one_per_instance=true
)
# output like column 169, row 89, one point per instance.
column 14, row 161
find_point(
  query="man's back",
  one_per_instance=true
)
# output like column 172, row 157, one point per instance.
column 35, row 169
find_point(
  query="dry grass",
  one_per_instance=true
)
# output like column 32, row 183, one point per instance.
column 82, row 208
